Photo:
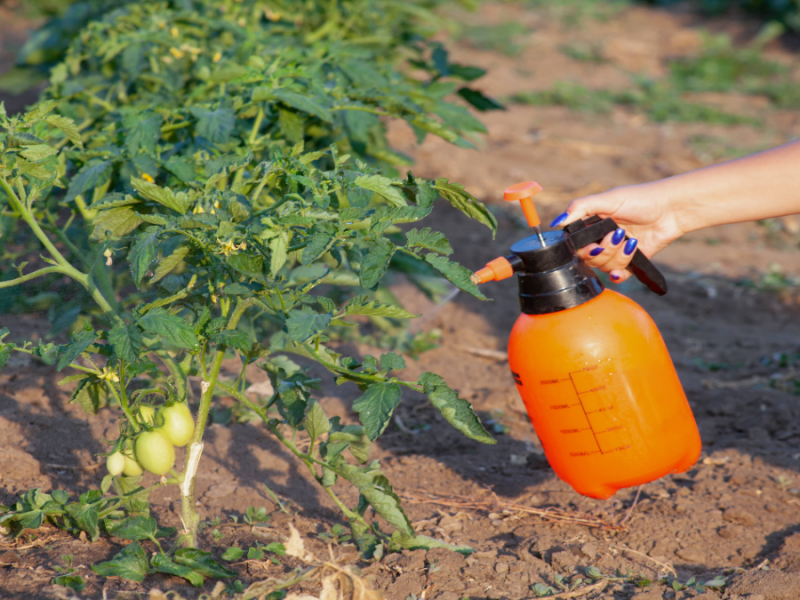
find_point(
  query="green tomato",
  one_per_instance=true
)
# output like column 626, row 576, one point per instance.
column 115, row 463
column 131, row 468
column 147, row 414
column 178, row 424
column 155, row 452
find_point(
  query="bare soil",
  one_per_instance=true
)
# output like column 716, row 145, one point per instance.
column 735, row 514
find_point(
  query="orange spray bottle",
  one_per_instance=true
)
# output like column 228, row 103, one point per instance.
column 590, row 364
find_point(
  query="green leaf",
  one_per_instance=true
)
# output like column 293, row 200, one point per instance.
column 89, row 177
column 91, row 394
column 458, row 117
column 457, row 411
column 170, row 327
column 143, row 253
column 364, row 305
column 67, row 126
column 182, row 169
column 276, row 548
column 430, row 240
column 316, row 421
column 236, row 289
column 292, row 125
column 455, row 274
column 466, row 72
column 163, row 564
column 164, row 196
column 126, row 340
column 38, row 151
column 461, row 199
column 318, row 244
column 717, row 582
column 201, row 562
column 117, row 222
column 235, row 338
column 377, row 490
column 78, row 344
column 85, row 517
column 480, row 101
column 73, row 582
column 375, row 263
column 142, row 133
column 417, row 542
column 168, row 263
column 233, row 553
column 303, row 103
column 252, row 266
column 375, row 407
column 391, row 361
column 5, row 349
column 305, row 323
column 47, row 352
column 214, row 125
column 383, row 186
column 132, row 528
column 279, row 246
column 130, row 563
column 255, row 553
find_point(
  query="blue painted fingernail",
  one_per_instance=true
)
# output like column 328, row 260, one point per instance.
column 617, row 237
column 615, row 277
column 559, row 219
column 596, row 251
column 630, row 246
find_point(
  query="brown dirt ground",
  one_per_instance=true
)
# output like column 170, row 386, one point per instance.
column 736, row 513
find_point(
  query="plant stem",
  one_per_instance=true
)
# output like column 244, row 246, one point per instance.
column 190, row 517
column 64, row 266
column 41, row 272
column 123, row 397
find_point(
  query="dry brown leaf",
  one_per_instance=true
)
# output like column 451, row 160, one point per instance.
column 294, row 544
column 329, row 588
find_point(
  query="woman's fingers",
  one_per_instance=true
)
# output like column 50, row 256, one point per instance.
column 599, row 204
column 612, row 254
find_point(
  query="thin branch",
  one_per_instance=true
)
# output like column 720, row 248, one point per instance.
column 40, row 273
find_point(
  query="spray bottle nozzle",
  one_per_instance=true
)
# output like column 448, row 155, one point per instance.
column 497, row 270
column 524, row 192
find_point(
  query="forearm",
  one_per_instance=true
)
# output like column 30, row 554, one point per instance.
column 756, row 187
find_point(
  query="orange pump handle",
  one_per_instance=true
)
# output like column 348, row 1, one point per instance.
column 495, row 270
column 524, row 192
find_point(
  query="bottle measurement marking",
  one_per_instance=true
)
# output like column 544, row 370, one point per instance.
column 595, row 387
column 583, row 408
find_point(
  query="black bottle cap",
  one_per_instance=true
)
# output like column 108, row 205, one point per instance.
column 552, row 278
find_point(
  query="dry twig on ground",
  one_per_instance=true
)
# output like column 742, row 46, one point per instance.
column 494, row 504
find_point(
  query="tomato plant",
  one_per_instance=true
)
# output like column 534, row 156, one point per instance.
column 211, row 191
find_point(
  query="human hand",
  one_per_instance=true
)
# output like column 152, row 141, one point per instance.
column 643, row 212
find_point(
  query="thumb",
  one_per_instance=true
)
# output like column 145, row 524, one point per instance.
column 602, row 205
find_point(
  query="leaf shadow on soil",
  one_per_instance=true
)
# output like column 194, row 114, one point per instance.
column 46, row 430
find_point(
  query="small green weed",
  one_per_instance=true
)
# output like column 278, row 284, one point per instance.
column 722, row 67
column 573, row 13
column 503, row 37
column 67, row 576
column 584, row 52
column 710, row 148
column 338, row 535
column 570, row 94
column 660, row 101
